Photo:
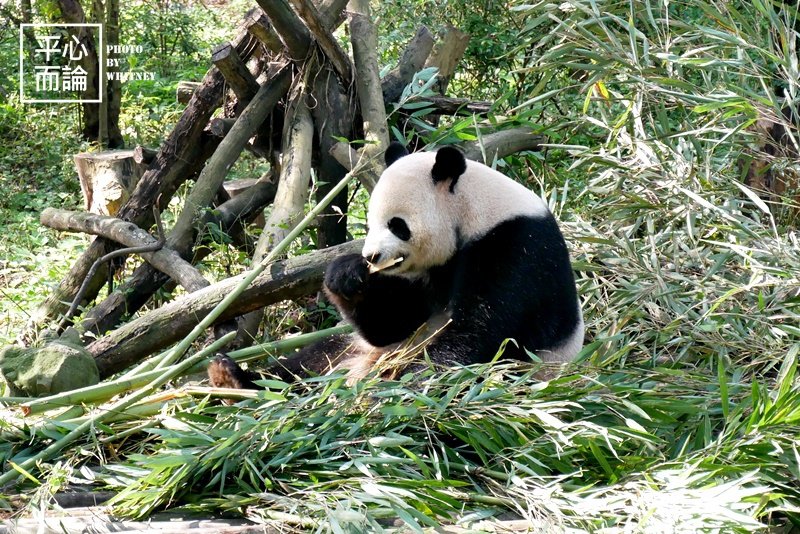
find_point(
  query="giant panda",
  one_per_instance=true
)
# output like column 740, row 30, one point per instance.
column 456, row 255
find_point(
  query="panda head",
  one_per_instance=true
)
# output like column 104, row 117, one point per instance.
column 411, row 211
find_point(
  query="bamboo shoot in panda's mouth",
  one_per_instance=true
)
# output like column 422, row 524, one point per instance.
column 377, row 267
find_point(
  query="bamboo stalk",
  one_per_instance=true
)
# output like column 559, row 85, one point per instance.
column 129, row 381
column 181, row 348
column 209, row 319
column 113, row 410
column 257, row 352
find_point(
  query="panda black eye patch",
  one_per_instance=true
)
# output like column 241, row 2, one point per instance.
column 399, row 228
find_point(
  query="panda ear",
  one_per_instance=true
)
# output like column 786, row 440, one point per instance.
column 450, row 164
column 394, row 152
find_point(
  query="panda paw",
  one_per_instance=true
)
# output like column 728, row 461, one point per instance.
column 346, row 276
column 223, row 372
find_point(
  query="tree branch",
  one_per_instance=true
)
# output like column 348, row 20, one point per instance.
column 165, row 260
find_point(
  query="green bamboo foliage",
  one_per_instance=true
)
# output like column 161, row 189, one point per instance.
column 683, row 411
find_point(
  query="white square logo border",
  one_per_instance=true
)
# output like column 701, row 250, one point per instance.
column 100, row 61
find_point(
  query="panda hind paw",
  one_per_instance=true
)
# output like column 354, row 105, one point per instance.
column 223, row 372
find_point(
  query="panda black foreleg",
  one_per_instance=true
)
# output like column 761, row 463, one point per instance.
column 384, row 309
column 315, row 359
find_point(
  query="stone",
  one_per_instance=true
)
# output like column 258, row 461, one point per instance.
column 54, row 368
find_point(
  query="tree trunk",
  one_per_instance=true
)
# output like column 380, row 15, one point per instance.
column 331, row 121
column 72, row 12
column 113, row 86
column 107, row 179
column 373, row 109
column 287, row 209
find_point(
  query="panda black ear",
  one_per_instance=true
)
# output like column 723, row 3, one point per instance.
column 450, row 164
column 394, row 152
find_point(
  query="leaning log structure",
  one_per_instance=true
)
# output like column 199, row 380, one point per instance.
column 289, row 93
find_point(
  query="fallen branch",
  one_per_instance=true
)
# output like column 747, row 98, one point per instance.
column 501, row 144
column 165, row 260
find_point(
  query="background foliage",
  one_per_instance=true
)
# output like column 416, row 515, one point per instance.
column 682, row 412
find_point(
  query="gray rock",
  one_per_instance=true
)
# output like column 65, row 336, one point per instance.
column 54, row 368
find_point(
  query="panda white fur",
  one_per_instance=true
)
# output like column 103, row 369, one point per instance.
column 483, row 261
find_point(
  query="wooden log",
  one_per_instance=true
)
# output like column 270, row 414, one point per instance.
column 364, row 39
column 495, row 145
column 261, row 29
column 446, row 55
column 444, row 105
column 412, row 61
column 181, row 237
column 220, row 126
column 143, row 155
column 235, row 188
column 501, row 144
column 160, row 328
column 230, row 218
column 290, row 199
column 325, row 40
column 332, row 13
column 185, row 90
column 242, row 209
column 234, row 70
column 290, row 28
column 335, row 120
column 165, row 260
column 258, row 146
column 107, row 179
